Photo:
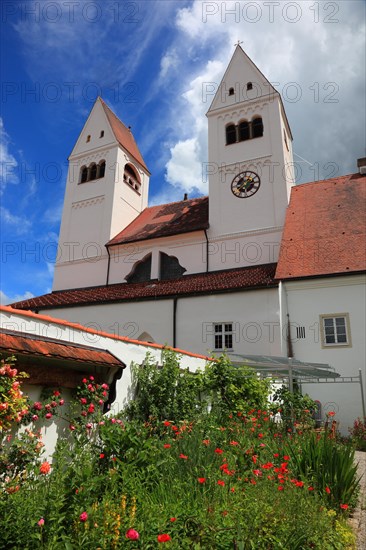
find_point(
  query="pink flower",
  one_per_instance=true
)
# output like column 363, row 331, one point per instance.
column 83, row 401
column 132, row 534
column 83, row 516
column 72, row 427
column 88, row 426
column 35, row 418
column 84, row 380
column 48, row 416
column 61, row 402
column 104, row 386
column 40, row 522
column 91, row 408
column 37, row 406
column 91, row 377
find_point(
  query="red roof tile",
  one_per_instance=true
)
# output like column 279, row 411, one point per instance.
column 123, row 135
column 200, row 283
column 164, row 220
column 19, row 343
column 325, row 229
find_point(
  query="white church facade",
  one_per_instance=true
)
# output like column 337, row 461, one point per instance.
column 231, row 271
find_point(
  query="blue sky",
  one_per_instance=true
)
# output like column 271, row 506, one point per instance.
column 150, row 61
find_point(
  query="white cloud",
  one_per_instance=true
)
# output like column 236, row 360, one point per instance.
column 8, row 163
column 7, row 299
column 183, row 169
column 168, row 61
column 18, row 224
column 53, row 215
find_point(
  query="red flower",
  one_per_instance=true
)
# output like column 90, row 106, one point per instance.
column 166, row 423
column 344, row 506
column 310, row 488
column 286, row 457
column 173, row 519
column 48, row 416
column 221, row 482
column 71, row 427
column 206, row 442
column 166, row 446
column 280, row 488
column 61, row 402
column 201, row 479
column 234, row 443
column 56, row 393
column 327, row 490
column 299, row 483
column 164, row 537
column 102, row 455
column 331, row 413
column 219, row 451
column 183, row 456
column 83, row 401
column 83, row 516
column 232, row 489
column 45, row 467
column 91, row 377
column 132, row 534
column 37, row 406
column 91, row 408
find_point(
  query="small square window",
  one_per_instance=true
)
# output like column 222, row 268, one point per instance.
column 335, row 330
column 223, row 336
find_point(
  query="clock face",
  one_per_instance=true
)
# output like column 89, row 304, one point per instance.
column 245, row 184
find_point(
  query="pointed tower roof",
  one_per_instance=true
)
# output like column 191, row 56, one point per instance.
column 123, row 134
column 242, row 68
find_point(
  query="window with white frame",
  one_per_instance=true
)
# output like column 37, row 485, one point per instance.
column 335, row 329
column 223, row 334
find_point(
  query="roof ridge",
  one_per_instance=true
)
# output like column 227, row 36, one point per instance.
column 330, row 180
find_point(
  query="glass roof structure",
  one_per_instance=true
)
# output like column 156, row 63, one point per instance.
column 283, row 367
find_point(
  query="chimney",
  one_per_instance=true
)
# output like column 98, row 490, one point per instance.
column 361, row 165
column 185, row 196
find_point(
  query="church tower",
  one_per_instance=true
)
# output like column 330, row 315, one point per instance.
column 250, row 167
column 107, row 188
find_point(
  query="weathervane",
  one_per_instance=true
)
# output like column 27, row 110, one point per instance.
column 238, row 43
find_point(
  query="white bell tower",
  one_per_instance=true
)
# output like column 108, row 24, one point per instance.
column 250, row 167
column 107, row 187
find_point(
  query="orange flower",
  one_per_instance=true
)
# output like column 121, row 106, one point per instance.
column 45, row 467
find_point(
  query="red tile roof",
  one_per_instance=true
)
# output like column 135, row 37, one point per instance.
column 201, row 283
column 19, row 343
column 165, row 220
column 123, row 135
column 325, row 229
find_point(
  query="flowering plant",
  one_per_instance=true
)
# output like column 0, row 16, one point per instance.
column 13, row 404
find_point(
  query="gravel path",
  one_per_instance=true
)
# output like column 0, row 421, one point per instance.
column 358, row 520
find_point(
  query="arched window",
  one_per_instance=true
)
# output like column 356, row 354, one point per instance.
column 101, row 169
column 101, row 133
column 230, row 134
column 170, row 267
column 88, row 138
column 141, row 271
column 131, row 177
column 83, row 174
column 249, row 86
column 92, row 171
column 257, row 127
column 244, row 131
column 231, row 91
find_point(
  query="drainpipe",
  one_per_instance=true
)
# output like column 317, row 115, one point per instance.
column 108, row 266
column 206, row 250
column 175, row 302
